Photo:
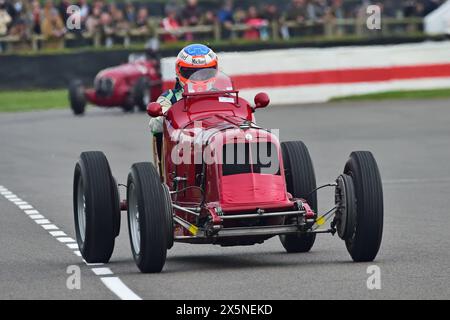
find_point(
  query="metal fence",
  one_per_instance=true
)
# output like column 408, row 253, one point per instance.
column 271, row 31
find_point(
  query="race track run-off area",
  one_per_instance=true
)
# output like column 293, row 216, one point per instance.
column 409, row 139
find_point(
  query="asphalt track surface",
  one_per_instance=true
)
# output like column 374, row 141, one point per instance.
column 410, row 140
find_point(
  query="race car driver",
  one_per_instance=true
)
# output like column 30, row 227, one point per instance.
column 191, row 59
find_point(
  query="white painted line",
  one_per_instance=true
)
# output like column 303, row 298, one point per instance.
column 65, row 239
column 42, row 221
column 102, row 271
column 20, row 203
column 49, row 227
column 93, row 264
column 119, row 288
column 112, row 283
column 36, row 216
column 58, row 233
column 416, row 181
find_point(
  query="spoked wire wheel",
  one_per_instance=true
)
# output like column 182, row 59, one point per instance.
column 133, row 219
column 81, row 210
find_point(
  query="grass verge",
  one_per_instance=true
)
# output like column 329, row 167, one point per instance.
column 401, row 94
column 14, row 101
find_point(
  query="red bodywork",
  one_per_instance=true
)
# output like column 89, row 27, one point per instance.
column 124, row 77
column 204, row 124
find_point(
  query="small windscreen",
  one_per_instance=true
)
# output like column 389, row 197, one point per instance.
column 256, row 157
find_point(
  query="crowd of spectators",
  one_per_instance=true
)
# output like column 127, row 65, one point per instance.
column 23, row 18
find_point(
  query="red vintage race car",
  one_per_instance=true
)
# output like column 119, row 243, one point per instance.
column 135, row 83
column 221, row 179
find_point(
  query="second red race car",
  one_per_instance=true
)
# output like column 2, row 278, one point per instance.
column 130, row 85
column 219, row 178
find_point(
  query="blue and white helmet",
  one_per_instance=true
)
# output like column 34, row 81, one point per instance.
column 193, row 58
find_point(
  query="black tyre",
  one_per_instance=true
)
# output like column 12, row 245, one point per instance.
column 147, row 218
column 300, row 181
column 365, row 242
column 95, row 207
column 76, row 97
column 128, row 104
column 141, row 94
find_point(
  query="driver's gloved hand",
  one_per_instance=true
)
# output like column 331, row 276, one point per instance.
column 156, row 124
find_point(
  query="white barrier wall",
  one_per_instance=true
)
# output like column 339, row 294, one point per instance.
column 438, row 21
column 316, row 75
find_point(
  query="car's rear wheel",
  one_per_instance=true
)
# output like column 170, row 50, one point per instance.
column 147, row 218
column 128, row 104
column 95, row 207
column 300, row 181
column 365, row 240
column 141, row 93
column 76, row 97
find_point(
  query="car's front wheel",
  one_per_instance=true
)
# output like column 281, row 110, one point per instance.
column 364, row 240
column 300, row 181
column 95, row 202
column 147, row 218
column 76, row 97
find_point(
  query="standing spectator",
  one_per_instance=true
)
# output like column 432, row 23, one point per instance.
column 190, row 17
column 316, row 10
column 225, row 13
column 239, row 16
column 121, row 25
column 106, row 27
column 52, row 26
column 143, row 25
column 19, row 25
column 270, row 12
column 142, row 18
column 295, row 11
column 35, row 17
column 258, row 25
column 170, row 25
column 191, row 13
column 62, row 8
column 225, row 18
column 337, row 9
column 130, row 12
column 5, row 20
column 9, row 7
column 93, row 21
column 85, row 11
column 209, row 18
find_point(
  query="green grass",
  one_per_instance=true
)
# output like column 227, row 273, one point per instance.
column 395, row 95
column 13, row 101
